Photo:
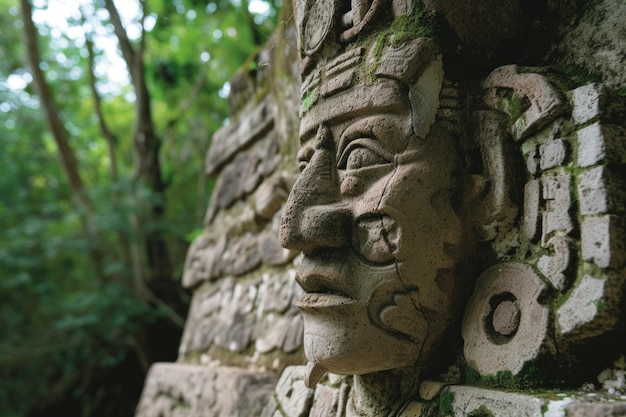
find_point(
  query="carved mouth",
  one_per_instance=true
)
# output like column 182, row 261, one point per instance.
column 316, row 301
column 324, row 289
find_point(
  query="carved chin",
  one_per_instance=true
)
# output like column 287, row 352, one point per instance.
column 352, row 345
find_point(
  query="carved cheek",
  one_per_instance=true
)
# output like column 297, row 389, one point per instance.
column 368, row 181
column 375, row 238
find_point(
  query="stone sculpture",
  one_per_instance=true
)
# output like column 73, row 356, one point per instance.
column 454, row 242
column 406, row 195
column 372, row 213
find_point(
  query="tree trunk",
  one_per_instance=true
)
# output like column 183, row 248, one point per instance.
column 147, row 165
column 61, row 138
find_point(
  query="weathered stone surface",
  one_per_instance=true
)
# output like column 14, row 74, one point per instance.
column 603, row 241
column 325, row 402
column 596, row 102
column 582, row 304
column 469, row 401
column 532, row 159
column 198, row 391
column 556, row 217
column 413, row 173
column 242, row 177
column 232, row 138
column 499, row 209
column 281, row 326
column 552, row 154
column 554, row 265
column 505, row 324
column 530, row 223
column 600, row 142
column 595, row 40
column 545, row 102
column 293, row 397
column 237, row 314
column 601, row 190
column 597, row 410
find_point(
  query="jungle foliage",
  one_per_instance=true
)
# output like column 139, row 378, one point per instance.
column 106, row 113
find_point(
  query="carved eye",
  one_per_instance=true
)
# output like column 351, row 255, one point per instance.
column 304, row 156
column 363, row 153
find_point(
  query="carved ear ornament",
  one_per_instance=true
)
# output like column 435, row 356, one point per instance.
column 533, row 105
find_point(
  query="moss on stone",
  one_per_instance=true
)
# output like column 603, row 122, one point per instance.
column 307, row 102
column 421, row 24
column 526, row 379
column 481, row 411
column 446, row 399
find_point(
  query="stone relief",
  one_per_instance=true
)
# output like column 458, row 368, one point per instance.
column 450, row 245
column 186, row 391
column 400, row 212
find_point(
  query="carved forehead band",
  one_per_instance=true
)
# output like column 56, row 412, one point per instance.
column 344, row 80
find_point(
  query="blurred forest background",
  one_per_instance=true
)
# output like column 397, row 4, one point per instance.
column 106, row 113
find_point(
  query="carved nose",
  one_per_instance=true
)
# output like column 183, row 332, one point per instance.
column 313, row 218
column 315, row 227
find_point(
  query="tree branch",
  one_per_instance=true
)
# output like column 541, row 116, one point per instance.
column 49, row 107
column 60, row 135
column 97, row 101
column 147, row 165
column 128, row 52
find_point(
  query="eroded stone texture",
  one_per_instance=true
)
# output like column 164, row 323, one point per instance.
column 599, row 142
column 242, row 328
column 467, row 401
column 505, row 323
column 366, row 233
column 198, row 391
column 420, row 189
column 582, row 305
column 292, row 397
column 236, row 316
column 597, row 410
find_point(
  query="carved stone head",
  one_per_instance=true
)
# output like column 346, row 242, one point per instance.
column 372, row 209
column 394, row 195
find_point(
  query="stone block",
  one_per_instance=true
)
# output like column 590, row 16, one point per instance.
column 553, row 266
column 581, row 306
column 229, row 140
column 586, row 101
column 592, row 192
column 601, row 190
column 597, row 410
column 294, row 398
column 557, row 193
column 531, row 208
column 596, row 101
column 181, row 390
column 552, row 154
column 324, row 401
column 599, row 143
column 472, row 401
column 603, row 241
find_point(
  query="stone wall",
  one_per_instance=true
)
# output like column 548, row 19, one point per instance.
column 242, row 328
column 517, row 308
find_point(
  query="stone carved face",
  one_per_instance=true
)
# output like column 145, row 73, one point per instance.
column 372, row 214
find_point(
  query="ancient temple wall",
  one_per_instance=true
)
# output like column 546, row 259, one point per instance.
column 242, row 328
column 532, row 315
